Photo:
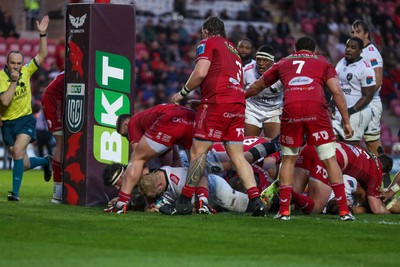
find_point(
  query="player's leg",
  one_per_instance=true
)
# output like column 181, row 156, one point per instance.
column 327, row 154
column 286, row 180
column 18, row 152
column 57, row 168
column 245, row 172
column 225, row 196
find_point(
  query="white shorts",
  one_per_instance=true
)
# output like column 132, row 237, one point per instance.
column 222, row 194
column 359, row 122
column 257, row 116
column 373, row 131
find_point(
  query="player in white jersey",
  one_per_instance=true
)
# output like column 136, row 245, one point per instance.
column 263, row 110
column 245, row 50
column 166, row 185
column 357, row 80
column 371, row 54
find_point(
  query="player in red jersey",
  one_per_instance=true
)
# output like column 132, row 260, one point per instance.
column 151, row 133
column 53, row 108
column 354, row 161
column 305, row 112
column 220, row 118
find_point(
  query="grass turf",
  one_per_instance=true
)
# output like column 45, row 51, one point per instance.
column 35, row 232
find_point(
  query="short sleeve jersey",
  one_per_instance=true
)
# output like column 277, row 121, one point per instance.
column 371, row 54
column 20, row 105
column 176, row 180
column 250, row 73
column 224, row 80
column 303, row 75
column 179, row 119
column 360, row 164
column 353, row 77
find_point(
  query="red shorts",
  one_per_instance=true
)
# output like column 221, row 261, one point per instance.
column 220, row 122
column 173, row 128
column 311, row 119
column 52, row 110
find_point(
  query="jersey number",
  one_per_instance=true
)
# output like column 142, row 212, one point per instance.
column 300, row 63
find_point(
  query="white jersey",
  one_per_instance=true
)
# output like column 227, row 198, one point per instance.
column 248, row 73
column 350, row 187
column 269, row 99
column 176, row 177
column 371, row 54
column 220, row 192
column 353, row 77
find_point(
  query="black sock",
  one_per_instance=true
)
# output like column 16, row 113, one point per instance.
column 264, row 149
column 184, row 199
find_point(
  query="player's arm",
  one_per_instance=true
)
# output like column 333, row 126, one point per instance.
column 42, row 28
column 392, row 189
column 338, row 97
column 7, row 96
column 256, row 87
column 195, row 79
column 378, row 78
column 367, row 93
column 376, row 206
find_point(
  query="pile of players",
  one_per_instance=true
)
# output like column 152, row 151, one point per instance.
column 231, row 168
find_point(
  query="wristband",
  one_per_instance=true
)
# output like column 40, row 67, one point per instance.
column 14, row 81
column 185, row 91
column 43, row 35
column 352, row 110
column 395, row 188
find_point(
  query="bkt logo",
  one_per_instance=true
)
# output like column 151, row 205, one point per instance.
column 75, row 106
column 113, row 77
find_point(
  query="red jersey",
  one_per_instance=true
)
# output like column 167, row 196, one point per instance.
column 167, row 124
column 353, row 161
column 53, row 103
column 303, row 76
column 224, row 80
column 56, row 87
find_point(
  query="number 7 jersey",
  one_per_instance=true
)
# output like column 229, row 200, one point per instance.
column 303, row 75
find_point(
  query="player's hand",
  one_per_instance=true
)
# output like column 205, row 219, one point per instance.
column 386, row 195
column 176, row 98
column 43, row 24
column 14, row 75
column 348, row 131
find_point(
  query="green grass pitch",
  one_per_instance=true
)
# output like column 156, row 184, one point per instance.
column 35, row 232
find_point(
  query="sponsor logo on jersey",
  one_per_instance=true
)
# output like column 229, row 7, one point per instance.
column 374, row 62
column 174, row 178
column 369, row 79
column 200, row 49
column 249, row 67
column 302, row 80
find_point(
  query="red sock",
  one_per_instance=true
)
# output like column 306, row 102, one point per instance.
column 57, row 176
column 303, row 202
column 253, row 192
column 202, row 191
column 188, row 191
column 341, row 199
column 284, row 199
column 124, row 197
